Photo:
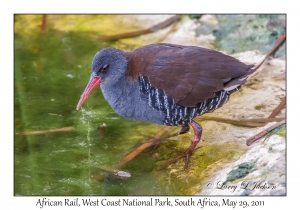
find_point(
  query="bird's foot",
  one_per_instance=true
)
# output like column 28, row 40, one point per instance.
column 184, row 128
column 186, row 154
column 197, row 134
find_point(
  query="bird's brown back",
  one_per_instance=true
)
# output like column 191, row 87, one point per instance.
column 188, row 74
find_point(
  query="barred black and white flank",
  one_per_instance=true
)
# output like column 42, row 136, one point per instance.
column 176, row 114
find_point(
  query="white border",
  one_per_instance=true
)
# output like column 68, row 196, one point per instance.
column 8, row 8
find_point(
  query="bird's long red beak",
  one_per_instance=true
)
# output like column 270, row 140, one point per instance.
column 94, row 82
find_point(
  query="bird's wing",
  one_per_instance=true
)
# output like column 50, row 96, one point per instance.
column 187, row 74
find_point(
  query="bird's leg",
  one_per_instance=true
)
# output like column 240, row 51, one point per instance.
column 184, row 128
column 197, row 135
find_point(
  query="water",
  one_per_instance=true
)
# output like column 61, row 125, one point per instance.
column 51, row 71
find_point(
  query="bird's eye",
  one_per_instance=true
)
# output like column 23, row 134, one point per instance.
column 104, row 68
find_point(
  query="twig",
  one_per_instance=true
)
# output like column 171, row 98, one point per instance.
column 44, row 25
column 144, row 31
column 278, row 43
column 264, row 119
column 253, row 139
column 243, row 122
column 142, row 147
column 173, row 28
column 278, row 108
column 159, row 140
column 48, row 131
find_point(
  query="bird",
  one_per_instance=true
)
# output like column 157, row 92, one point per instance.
column 166, row 84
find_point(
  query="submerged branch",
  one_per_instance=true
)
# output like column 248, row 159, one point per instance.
column 65, row 129
column 142, row 147
column 44, row 24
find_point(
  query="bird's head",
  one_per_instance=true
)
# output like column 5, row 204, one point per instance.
column 108, row 67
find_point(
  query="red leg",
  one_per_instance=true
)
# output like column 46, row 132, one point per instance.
column 184, row 128
column 197, row 135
